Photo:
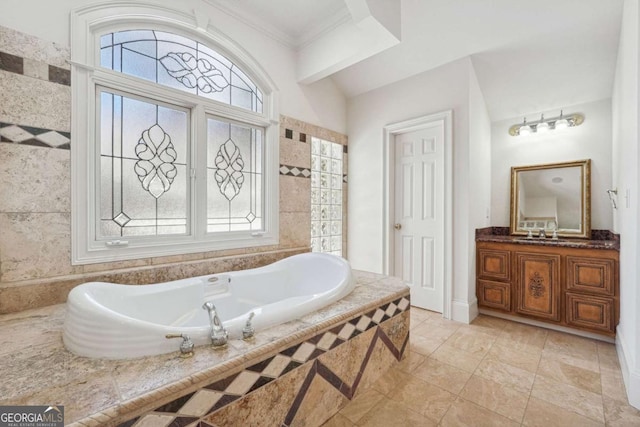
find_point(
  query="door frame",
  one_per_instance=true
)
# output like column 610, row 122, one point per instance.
column 388, row 200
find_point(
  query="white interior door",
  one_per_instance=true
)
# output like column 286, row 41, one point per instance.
column 419, row 214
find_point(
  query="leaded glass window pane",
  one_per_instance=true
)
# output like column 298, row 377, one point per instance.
column 326, row 196
column 181, row 63
column 143, row 167
column 234, row 176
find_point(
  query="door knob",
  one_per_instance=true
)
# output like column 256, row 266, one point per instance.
column 397, row 226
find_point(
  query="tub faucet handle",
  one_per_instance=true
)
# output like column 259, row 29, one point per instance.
column 218, row 333
column 186, row 347
column 248, row 331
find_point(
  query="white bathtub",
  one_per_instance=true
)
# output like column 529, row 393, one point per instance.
column 110, row 321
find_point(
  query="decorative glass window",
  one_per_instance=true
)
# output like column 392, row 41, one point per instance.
column 144, row 166
column 176, row 150
column 180, row 63
column 326, row 196
column 234, row 176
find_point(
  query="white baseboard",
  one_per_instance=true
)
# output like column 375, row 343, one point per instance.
column 630, row 375
column 462, row 311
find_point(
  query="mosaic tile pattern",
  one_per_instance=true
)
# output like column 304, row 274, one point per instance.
column 28, row 135
column 36, row 69
column 213, row 397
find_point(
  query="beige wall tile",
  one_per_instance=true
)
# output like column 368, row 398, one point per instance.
column 295, row 153
column 36, row 69
column 321, row 401
column 28, row 101
column 379, row 363
column 346, row 359
column 18, row 298
column 295, row 194
column 35, row 245
column 30, row 184
column 295, row 229
column 27, row 46
column 267, row 406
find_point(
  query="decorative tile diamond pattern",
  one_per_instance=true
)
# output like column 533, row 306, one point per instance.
column 27, row 135
column 295, row 171
column 217, row 395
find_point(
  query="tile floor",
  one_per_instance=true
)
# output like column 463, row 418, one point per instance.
column 495, row 373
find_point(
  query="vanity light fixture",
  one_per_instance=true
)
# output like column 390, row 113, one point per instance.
column 544, row 125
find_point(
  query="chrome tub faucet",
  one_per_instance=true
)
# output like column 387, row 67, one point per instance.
column 218, row 334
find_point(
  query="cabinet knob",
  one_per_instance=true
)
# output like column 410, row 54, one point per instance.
column 397, row 226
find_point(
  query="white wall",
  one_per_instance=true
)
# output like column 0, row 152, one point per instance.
column 321, row 103
column 626, row 162
column 444, row 88
column 480, row 163
column 591, row 140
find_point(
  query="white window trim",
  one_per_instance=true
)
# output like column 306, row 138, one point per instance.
column 87, row 24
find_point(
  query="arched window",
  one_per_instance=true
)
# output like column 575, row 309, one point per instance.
column 174, row 147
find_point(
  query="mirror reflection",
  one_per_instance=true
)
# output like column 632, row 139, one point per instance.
column 553, row 197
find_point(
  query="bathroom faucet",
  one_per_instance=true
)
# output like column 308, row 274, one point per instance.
column 218, row 334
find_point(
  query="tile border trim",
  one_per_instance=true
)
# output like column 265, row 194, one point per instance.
column 16, row 64
column 38, row 137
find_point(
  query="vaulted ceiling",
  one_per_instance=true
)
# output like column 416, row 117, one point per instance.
column 529, row 55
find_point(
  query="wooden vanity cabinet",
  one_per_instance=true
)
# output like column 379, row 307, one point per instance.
column 571, row 287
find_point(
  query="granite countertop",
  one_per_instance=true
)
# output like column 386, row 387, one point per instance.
column 600, row 239
column 38, row 370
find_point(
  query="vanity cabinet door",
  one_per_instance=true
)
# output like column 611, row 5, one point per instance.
column 538, row 285
column 495, row 295
column 494, row 264
column 591, row 275
column 590, row 312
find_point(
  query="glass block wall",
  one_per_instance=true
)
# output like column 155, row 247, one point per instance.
column 326, row 196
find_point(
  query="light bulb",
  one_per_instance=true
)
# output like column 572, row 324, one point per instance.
column 543, row 126
column 525, row 129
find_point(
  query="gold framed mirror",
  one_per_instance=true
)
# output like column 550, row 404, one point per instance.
column 553, row 197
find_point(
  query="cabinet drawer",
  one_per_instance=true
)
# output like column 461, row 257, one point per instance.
column 494, row 264
column 538, row 285
column 494, row 294
column 590, row 312
column 592, row 275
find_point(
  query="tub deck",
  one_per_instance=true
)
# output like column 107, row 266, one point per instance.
column 38, row 370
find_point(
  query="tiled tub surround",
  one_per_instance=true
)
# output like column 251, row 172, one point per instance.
column 299, row 373
column 35, row 195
